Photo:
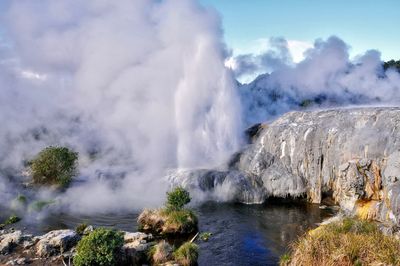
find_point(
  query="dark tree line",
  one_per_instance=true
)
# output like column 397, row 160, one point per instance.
column 392, row 64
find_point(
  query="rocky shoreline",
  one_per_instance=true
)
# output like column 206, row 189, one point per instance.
column 58, row 247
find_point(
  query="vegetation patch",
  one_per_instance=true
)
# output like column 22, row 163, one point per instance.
column 160, row 253
column 54, row 166
column 346, row 242
column 40, row 204
column 10, row 220
column 187, row 254
column 173, row 218
column 80, row 229
column 205, row 236
column 100, row 247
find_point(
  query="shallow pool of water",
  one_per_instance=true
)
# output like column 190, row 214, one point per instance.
column 241, row 234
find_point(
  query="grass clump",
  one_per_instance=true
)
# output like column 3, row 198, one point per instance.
column 183, row 221
column 54, row 166
column 346, row 242
column 187, row 254
column 160, row 253
column 100, row 247
column 173, row 218
column 80, row 229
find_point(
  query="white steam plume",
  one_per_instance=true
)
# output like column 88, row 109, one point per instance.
column 326, row 77
column 135, row 86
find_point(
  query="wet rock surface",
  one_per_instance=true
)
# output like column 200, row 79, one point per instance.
column 349, row 155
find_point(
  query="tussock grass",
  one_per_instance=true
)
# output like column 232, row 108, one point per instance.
column 187, row 254
column 160, row 253
column 346, row 242
column 167, row 221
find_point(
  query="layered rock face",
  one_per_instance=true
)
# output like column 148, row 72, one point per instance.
column 350, row 155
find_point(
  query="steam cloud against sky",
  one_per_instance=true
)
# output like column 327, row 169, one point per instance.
column 141, row 87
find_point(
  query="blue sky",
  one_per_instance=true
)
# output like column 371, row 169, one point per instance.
column 363, row 24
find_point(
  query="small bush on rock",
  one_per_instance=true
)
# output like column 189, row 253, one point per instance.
column 100, row 247
column 177, row 198
column 54, row 166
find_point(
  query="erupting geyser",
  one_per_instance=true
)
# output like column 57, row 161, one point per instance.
column 136, row 87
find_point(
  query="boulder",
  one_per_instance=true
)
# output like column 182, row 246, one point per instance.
column 9, row 240
column 351, row 155
column 135, row 248
column 56, row 242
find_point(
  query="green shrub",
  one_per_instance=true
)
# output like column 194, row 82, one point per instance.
column 177, row 198
column 187, row 254
column 21, row 199
column 10, row 220
column 100, row 247
column 54, row 166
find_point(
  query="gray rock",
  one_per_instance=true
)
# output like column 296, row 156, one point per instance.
column 352, row 154
column 56, row 242
column 136, row 246
column 88, row 230
column 9, row 240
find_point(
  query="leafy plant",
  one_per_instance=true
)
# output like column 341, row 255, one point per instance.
column 100, row 247
column 205, row 236
column 177, row 198
column 54, row 166
column 187, row 254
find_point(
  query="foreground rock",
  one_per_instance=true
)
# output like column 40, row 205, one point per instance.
column 349, row 155
column 58, row 247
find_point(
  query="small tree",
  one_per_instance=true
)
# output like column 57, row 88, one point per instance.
column 54, row 166
column 100, row 247
column 177, row 198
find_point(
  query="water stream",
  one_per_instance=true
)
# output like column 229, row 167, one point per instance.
column 241, row 234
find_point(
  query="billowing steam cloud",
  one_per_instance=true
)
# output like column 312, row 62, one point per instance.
column 326, row 77
column 135, row 86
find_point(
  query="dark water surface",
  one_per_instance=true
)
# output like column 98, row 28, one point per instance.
column 242, row 234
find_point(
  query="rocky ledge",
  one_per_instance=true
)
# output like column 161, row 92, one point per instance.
column 58, row 247
column 350, row 156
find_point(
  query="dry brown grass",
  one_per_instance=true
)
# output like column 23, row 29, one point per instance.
column 165, row 221
column 346, row 242
column 161, row 253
